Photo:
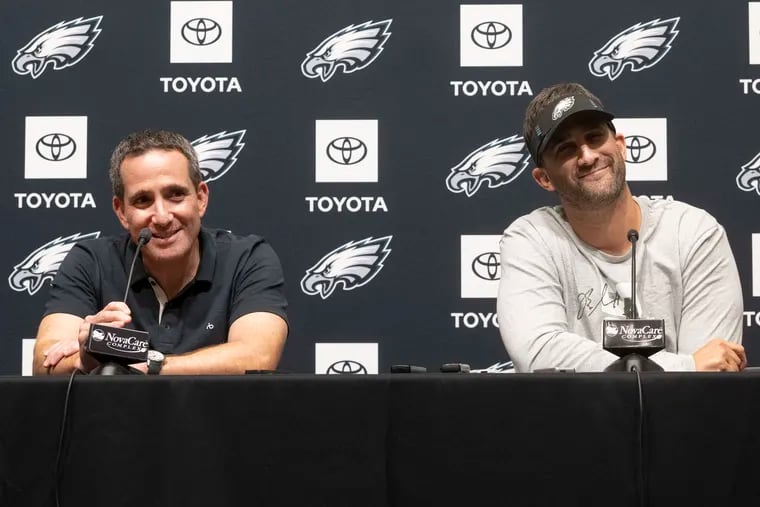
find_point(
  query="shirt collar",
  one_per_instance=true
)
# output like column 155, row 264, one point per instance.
column 208, row 256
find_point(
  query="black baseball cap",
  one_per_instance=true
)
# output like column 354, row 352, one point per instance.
column 557, row 112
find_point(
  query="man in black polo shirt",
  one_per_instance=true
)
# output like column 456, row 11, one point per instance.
column 212, row 301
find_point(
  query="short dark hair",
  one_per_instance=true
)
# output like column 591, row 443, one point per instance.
column 546, row 97
column 143, row 141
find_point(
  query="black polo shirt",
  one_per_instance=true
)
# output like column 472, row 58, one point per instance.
column 237, row 275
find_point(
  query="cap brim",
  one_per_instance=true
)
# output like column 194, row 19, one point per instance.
column 555, row 114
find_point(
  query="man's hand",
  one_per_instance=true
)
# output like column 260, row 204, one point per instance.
column 59, row 350
column 115, row 314
column 720, row 355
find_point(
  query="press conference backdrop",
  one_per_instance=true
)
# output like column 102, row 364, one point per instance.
column 379, row 138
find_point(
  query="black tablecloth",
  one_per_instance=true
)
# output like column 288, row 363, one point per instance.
column 387, row 440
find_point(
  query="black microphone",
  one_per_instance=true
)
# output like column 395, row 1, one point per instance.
column 118, row 346
column 633, row 339
column 455, row 368
column 142, row 239
column 633, row 237
column 407, row 368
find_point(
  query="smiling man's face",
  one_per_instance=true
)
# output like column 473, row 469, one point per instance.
column 584, row 163
column 159, row 195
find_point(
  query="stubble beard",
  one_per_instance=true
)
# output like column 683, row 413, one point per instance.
column 584, row 198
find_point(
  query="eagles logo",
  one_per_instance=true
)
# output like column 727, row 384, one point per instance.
column 61, row 45
column 562, row 107
column 351, row 265
column 748, row 178
column 352, row 48
column 638, row 47
column 495, row 164
column 217, row 153
column 43, row 263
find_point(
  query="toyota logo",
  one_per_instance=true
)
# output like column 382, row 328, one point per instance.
column 56, row 147
column 491, row 35
column 486, row 266
column 201, row 31
column 346, row 150
column 346, row 367
column 98, row 335
column 639, row 149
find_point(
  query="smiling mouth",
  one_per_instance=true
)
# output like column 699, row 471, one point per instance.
column 593, row 171
column 165, row 235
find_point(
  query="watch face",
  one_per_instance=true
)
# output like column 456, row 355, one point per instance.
column 154, row 355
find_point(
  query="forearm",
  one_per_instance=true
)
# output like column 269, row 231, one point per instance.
column 232, row 358
column 674, row 362
column 559, row 349
column 56, row 345
column 255, row 342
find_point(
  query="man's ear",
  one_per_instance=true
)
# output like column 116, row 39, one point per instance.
column 542, row 178
column 620, row 141
column 202, row 194
column 118, row 208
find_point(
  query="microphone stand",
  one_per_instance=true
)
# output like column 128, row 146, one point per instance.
column 111, row 367
column 114, row 368
column 633, row 361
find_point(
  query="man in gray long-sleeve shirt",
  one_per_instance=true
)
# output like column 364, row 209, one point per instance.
column 567, row 268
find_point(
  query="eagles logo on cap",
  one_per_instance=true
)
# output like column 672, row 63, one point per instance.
column 562, row 106
column 554, row 114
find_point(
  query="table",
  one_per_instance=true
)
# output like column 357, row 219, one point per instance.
column 385, row 440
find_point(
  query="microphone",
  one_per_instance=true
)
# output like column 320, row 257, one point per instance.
column 118, row 346
column 455, row 368
column 633, row 339
column 633, row 237
column 142, row 239
column 407, row 368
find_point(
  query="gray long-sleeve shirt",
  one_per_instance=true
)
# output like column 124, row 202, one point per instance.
column 556, row 290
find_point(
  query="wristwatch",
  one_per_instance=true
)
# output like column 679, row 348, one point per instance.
column 155, row 362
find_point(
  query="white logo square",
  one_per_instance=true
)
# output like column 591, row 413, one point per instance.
column 490, row 35
column 55, row 147
column 754, row 33
column 646, row 148
column 346, row 151
column 345, row 358
column 481, row 266
column 756, row 265
column 27, row 356
column 200, row 32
